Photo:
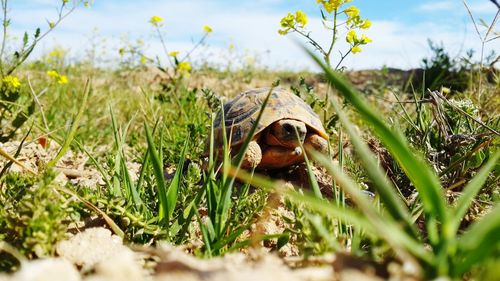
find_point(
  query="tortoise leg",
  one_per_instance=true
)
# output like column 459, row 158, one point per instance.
column 253, row 156
column 316, row 142
column 278, row 157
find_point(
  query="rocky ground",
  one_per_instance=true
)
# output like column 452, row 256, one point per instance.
column 96, row 254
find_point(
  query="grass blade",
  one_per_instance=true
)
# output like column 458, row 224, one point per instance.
column 173, row 188
column 72, row 131
column 479, row 242
column 387, row 192
column 313, row 182
column 204, row 234
column 471, row 190
column 121, row 164
column 99, row 167
column 14, row 160
column 18, row 151
column 160, row 180
column 116, row 229
column 225, row 201
column 386, row 227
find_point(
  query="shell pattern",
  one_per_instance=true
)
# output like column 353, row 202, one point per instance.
column 241, row 113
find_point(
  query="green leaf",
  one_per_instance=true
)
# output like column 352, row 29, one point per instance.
column 471, row 189
column 158, row 173
column 230, row 238
column 480, row 241
column 37, row 33
column 313, row 182
column 283, row 240
column 25, row 39
column 173, row 189
column 204, row 234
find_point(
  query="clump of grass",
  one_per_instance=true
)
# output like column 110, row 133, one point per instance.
column 34, row 214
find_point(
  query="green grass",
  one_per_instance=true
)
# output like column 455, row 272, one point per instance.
column 168, row 128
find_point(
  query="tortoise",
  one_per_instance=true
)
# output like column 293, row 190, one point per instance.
column 286, row 123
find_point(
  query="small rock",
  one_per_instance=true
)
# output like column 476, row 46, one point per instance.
column 47, row 270
column 93, row 246
column 120, row 268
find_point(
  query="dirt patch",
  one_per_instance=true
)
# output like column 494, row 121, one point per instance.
column 73, row 167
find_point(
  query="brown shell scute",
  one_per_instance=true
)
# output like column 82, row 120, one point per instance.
column 241, row 113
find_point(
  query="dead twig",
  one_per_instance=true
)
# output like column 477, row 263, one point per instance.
column 440, row 96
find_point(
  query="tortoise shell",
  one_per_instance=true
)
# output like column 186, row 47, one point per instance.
column 241, row 113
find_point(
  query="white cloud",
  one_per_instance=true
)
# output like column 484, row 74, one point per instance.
column 481, row 7
column 437, row 6
column 251, row 26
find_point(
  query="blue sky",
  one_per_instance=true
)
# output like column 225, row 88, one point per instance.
column 400, row 28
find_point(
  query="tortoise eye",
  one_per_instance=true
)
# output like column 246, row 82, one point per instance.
column 288, row 128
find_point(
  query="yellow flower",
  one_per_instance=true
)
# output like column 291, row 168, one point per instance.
column 352, row 12
column 143, row 60
column 300, row 18
column 11, row 82
column 53, row 73
column 366, row 24
column 287, row 21
column 331, row 5
column 283, row 31
column 58, row 53
column 365, row 39
column 86, row 4
column 62, row 79
column 351, row 36
column 445, row 90
column 173, row 53
column 184, row 67
column 356, row 49
column 290, row 21
column 155, row 20
column 52, row 24
column 207, row 29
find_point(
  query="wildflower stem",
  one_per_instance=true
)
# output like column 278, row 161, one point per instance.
column 5, row 22
column 334, row 38
column 37, row 101
column 195, row 47
column 484, row 40
column 311, row 41
column 25, row 53
column 164, row 46
column 342, row 57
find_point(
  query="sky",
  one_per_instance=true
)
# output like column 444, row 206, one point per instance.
column 400, row 29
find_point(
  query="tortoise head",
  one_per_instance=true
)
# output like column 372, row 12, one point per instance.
column 287, row 132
